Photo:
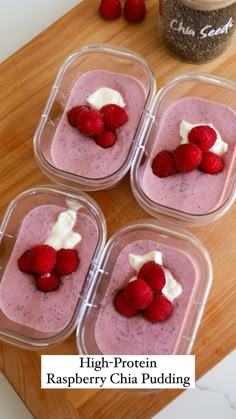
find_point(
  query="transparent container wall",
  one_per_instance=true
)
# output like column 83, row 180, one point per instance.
column 163, row 235
column 195, row 85
column 98, row 57
column 17, row 333
column 197, row 31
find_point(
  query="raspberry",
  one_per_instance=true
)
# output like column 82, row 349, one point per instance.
column 42, row 259
column 114, row 116
column 159, row 309
column 24, row 263
column 106, row 139
column 163, row 164
column 67, row 261
column 134, row 10
column 211, row 163
column 48, row 282
column 73, row 114
column 110, row 9
column 123, row 306
column 203, row 136
column 153, row 274
column 138, row 293
column 187, row 157
column 90, row 123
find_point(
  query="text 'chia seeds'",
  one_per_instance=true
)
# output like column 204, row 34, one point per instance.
column 194, row 35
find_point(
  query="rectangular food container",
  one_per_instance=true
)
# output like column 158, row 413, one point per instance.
column 182, row 197
column 120, row 62
column 12, row 331
column 103, row 330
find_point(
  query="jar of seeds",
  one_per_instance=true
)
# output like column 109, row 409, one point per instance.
column 197, row 31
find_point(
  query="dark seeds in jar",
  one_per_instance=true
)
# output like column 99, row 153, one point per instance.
column 193, row 35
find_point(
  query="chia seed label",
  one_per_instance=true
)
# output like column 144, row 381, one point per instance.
column 207, row 30
column 194, row 35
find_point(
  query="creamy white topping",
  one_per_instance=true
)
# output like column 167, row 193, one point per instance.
column 73, row 205
column 220, row 146
column 137, row 261
column 105, row 96
column 62, row 234
column 172, row 288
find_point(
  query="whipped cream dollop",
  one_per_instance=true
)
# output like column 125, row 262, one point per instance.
column 62, row 234
column 136, row 261
column 220, row 146
column 172, row 288
column 72, row 205
column 105, row 96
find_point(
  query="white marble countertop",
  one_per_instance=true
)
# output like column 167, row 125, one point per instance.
column 22, row 20
column 213, row 398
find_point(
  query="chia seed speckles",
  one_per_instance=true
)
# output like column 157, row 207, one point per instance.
column 194, row 35
column 116, row 334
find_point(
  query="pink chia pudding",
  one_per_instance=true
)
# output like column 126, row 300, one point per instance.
column 20, row 300
column 118, row 334
column 194, row 192
column 76, row 153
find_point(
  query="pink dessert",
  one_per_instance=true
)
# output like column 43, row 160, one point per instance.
column 118, row 334
column 195, row 192
column 79, row 154
column 20, row 300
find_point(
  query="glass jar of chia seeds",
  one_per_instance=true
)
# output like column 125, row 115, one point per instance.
column 197, row 31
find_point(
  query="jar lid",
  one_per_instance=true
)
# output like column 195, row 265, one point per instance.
column 208, row 4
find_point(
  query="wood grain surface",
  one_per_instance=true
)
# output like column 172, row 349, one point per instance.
column 26, row 79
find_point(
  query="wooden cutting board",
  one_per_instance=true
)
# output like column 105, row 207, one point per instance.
column 26, row 80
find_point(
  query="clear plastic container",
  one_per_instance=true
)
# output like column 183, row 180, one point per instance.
column 14, row 238
column 197, row 31
column 92, row 284
column 192, row 198
column 55, row 159
column 102, row 330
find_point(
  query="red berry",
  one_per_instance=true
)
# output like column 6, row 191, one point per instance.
column 114, row 116
column 187, row 157
column 123, row 306
column 90, row 123
column 74, row 113
column 48, row 282
column 67, row 261
column 138, row 293
column 134, row 10
column 211, row 163
column 153, row 274
column 163, row 164
column 106, row 139
column 110, row 9
column 203, row 136
column 42, row 259
column 159, row 309
column 24, row 263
